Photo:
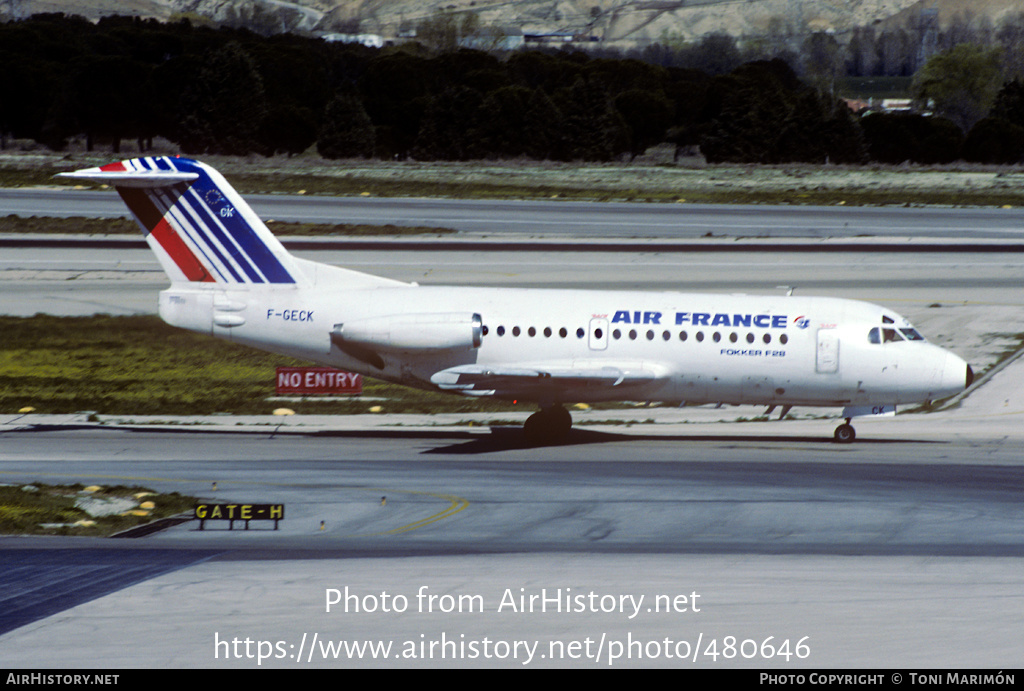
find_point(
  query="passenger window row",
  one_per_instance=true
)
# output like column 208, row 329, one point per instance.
column 650, row 334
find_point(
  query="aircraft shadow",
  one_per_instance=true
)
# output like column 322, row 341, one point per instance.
column 512, row 439
column 470, row 442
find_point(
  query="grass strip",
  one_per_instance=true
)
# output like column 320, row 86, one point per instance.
column 42, row 509
column 657, row 179
column 37, row 225
column 124, row 365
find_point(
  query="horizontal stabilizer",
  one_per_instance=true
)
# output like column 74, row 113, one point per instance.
column 131, row 178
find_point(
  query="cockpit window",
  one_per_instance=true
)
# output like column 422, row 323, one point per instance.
column 888, row 320
column 890, row 336
column 912, row 334
column 875, row 335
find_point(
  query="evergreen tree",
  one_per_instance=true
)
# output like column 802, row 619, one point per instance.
column 287, row 128
column 647, row 115
column 761, row 113
column 593, row 129
column 994, row 140
column 544, row 136
column 899, row 137
column 347, row 131
column 448, row 122
column 225, row 106
column 502, row 129
column 1009, row 103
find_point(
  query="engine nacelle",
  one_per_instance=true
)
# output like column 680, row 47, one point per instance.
column 413, row 332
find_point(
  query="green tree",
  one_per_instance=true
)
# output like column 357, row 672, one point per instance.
column 1009, row 103
column 593, row 128
column 225, row 105
column 288, row 128
column 994, row 140
column 899, row 137
column 823, row 61
column 761, row 113
column 28, row 89
column 347, row 131
column 716, row 53
column 502, row 128
column 962, row 82
column 448, row 121
column 396, row 90
column 544, row 136
column 108, row 97
column 647, row 115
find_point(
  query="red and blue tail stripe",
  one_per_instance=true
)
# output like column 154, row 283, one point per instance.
column 196, row 222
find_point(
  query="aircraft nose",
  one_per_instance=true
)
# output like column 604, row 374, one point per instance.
column 957, row 375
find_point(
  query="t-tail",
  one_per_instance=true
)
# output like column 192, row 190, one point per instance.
column 201, row 230
column 224, row 263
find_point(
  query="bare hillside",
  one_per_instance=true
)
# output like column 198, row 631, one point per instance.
column 613, row 22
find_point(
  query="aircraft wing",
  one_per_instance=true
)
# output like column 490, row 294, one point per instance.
column 524, row 379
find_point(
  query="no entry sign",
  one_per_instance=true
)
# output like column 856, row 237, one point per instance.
column 317, row 380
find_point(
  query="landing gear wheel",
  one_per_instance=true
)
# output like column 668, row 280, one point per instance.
column 561, row 421
column 548, row 425
column 845, row 434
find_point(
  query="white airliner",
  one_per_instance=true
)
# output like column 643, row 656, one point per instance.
column 230, row 277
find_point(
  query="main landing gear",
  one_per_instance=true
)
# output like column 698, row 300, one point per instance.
column 548, row 425
column 845, row 433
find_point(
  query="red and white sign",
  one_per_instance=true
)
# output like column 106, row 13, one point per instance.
column 317, row 380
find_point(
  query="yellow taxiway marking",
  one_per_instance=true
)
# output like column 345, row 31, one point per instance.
column 456, row 504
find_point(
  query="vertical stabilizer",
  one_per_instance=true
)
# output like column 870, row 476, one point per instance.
column 201, row 230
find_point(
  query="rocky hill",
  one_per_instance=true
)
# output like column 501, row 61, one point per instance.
column 621, row 23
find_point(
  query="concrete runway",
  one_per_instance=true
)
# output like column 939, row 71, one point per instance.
column 769, row 546
column 578, row 219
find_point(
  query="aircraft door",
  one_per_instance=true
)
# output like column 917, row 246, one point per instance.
column 827, row 361
column 598, row 333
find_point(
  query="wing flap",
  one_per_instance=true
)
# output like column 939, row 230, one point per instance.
column 483, row 380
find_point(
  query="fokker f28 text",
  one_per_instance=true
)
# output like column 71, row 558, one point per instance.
column 232, row 278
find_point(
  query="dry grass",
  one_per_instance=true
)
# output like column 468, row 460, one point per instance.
column 655, row 178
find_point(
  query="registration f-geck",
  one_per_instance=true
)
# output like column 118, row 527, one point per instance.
column 230, row 277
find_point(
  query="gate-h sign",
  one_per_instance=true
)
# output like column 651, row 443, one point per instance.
column 317, row 380
column 238, row 512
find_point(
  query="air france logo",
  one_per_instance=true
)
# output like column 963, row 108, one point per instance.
column 801, row 322
column 763, row 321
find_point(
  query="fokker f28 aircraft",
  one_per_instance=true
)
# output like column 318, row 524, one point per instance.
column 230, row 277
